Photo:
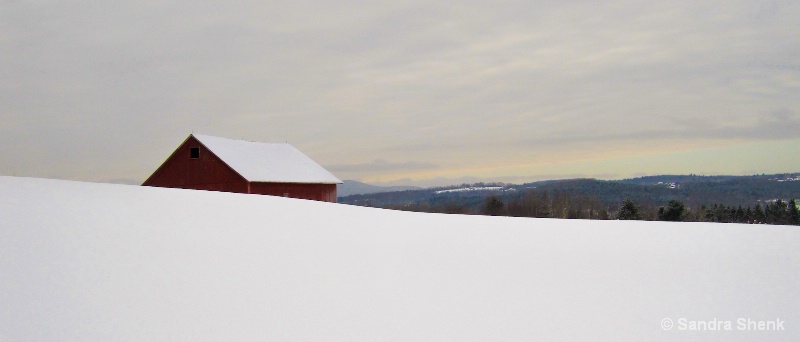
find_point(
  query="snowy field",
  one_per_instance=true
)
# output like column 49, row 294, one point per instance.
column 102, row 262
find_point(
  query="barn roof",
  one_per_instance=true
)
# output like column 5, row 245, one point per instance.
column 267, row 162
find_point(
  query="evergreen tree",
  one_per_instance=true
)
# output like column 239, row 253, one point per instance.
column 674, row 211
column 748, row 215
column 794, row 213
column 493, row 206
column 711, row 214
column 629, row 211
column 739, row 215
column 777, row 212
column 758, row 214
column 728, row 214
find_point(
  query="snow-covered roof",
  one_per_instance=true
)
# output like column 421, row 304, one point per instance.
column 267, row 162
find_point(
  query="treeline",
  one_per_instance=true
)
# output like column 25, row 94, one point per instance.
column 777, row 212
column 543, row 204
column 649, row 192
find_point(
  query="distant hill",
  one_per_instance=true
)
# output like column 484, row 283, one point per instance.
column 351, row 187
column 650, row 191
column 654, row 180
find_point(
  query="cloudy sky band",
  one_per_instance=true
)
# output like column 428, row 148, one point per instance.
column 404, row 91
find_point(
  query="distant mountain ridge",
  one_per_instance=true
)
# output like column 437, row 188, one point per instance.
column 650, row 190
column 351, row 187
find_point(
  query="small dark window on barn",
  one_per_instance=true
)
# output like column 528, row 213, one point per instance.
column 194, row 152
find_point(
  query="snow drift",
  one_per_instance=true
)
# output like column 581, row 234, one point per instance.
column 98, row 262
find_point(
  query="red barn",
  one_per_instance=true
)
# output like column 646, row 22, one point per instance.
column 210, row 163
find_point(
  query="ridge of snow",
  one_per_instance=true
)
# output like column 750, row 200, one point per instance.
column 98, row 262
column 267, row 162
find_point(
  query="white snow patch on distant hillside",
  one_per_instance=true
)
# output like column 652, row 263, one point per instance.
column 476, row 188
column 101, row 262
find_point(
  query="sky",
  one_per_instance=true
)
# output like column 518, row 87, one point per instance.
column 404, row 92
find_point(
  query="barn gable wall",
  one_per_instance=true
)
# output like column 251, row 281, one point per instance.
column 207, row 172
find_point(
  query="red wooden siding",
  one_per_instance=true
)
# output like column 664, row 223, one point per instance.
column 205, row 173
column 317, row 192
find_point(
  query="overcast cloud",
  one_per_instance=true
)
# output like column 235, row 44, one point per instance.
column 404, row 91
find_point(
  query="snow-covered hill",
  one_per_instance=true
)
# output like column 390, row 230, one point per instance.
column 100, row 262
